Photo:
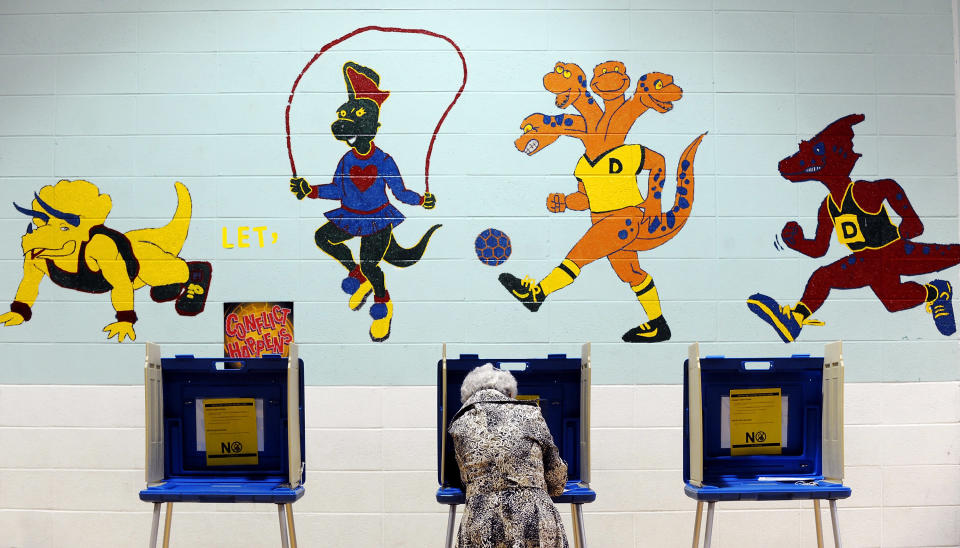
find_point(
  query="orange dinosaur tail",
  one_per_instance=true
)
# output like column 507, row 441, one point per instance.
column 661, row 227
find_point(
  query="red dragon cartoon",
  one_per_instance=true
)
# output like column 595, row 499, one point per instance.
column 881, row 252
column 624, row 221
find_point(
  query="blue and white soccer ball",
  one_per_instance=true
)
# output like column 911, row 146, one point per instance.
column 493, row 247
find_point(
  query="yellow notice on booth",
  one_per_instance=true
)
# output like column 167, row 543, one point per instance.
column 529, row 397
column 231, row 431
column 755, row 421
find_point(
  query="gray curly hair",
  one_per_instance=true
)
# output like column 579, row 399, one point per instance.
column 488, row 376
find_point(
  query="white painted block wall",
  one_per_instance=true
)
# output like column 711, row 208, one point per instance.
column 71, row 473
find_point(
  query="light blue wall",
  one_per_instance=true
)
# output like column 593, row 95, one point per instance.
column 134, row 101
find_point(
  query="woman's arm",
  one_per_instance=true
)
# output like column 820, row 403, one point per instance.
column 554, row 469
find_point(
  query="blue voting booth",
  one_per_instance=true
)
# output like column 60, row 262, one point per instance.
column 224, row 430
column 561, row 385
column 808, row 464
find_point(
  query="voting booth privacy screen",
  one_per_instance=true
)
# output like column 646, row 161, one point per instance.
column 224, row 430
column 758, row 423
column 558, row 384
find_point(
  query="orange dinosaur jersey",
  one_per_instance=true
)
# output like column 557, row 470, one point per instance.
column 610, row 181
column 860, row 229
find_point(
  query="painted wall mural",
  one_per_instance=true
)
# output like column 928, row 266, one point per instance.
column 360, row 181
column 67, row 241
column 493, row 247
column 625, row 218
column 882, row 252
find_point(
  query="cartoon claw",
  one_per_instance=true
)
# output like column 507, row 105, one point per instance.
column 531, row 147
column 120, row 330
column 11, row 318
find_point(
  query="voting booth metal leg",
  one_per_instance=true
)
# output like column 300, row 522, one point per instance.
column 580, row 535
column 155, row 525
column 709, row 532
column 451, row 520
column 166, row 525
column 283, row 527
column 696, row 524
column 293, row 530
column 816, row 513
column 835, row 519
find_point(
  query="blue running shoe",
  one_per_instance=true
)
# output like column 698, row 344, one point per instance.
column 942, row 308
column 784, row 320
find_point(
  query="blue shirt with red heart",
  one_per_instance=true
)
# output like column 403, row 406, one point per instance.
column 360, row 183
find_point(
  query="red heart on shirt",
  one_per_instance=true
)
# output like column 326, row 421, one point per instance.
column 363, row 177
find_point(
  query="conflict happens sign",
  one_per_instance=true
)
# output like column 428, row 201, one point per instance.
column 251, row 330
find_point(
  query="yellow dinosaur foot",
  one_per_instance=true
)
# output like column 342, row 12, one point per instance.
column 382, row 314
column 120, row 330
column 358, row 287
column 360, row 295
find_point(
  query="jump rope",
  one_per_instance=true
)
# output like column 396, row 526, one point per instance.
column 325, row 48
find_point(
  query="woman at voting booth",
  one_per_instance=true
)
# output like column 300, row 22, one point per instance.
column 509, row 464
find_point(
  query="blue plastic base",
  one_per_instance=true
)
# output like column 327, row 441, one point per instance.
column 221, row 490
column 767, row 490
column 573, row 493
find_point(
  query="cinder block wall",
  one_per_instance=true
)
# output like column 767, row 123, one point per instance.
column 135, row 96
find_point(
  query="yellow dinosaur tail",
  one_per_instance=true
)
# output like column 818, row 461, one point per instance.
column 659, row 228
column 170, row 237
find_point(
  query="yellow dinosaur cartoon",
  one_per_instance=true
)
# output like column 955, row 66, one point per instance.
column 67, row 242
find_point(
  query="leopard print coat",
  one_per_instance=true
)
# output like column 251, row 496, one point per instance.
column 510, row 466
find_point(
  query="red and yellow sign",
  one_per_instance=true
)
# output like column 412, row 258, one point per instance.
column 251, row 330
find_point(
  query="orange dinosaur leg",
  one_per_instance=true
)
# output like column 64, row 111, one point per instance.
column 611, row 232
column 627, row 267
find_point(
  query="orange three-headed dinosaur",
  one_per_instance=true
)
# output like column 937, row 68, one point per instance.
column 624, row 221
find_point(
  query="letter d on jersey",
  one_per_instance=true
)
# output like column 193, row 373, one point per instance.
column 615, row 166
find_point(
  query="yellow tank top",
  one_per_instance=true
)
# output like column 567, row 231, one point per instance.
column 610, row 181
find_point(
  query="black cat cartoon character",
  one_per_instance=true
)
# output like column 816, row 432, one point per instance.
column 360, row 183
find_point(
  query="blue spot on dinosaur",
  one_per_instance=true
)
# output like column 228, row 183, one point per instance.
column 684, row 204
column 568, row 122
column 908, row 248
column 653, row 224
column 671, row 219
column 622, row 234
column 684, row 165
column 682, row 191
